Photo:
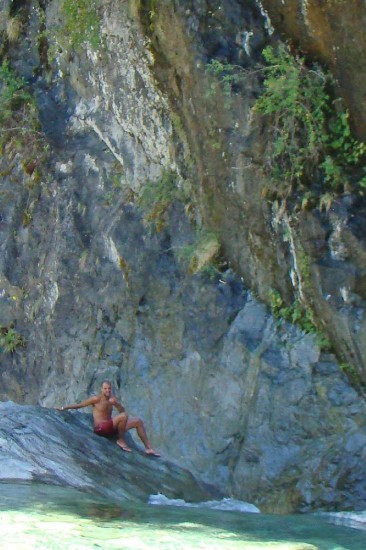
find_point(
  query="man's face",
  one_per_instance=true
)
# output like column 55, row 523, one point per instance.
column 106, row 390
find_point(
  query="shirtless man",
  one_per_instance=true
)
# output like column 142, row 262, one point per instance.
column 106, row 425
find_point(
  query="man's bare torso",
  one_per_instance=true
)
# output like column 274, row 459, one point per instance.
column 102, row 410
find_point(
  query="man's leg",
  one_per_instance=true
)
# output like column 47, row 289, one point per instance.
column 140, row 428
column 119, row 423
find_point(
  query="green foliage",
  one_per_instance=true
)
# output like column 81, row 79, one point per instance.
column 295, row 313
column 10, row 340
column 228, row 75
column 156, row 198
column 298, row 314
column 353, row 375
column 202, row 255
column 82, row 22
column 310, row 140
column 19, row 122
column 13, row 93
column 153, row 13
column 303, row 265
column 117, row 180
column 27, row 218
column 362, row 182
column 310, row 137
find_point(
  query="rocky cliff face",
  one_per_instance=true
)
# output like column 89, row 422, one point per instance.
column 97, row 291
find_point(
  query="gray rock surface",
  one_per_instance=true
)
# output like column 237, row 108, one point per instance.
column 43, row 445
column 251, row 407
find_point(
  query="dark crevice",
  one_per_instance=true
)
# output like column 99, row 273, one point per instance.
column 16, row 6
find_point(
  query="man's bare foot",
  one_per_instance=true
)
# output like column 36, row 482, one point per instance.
column 122, row 445
column 151, row 452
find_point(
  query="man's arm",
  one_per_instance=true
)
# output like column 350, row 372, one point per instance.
column 117, row 404
column 86, row 403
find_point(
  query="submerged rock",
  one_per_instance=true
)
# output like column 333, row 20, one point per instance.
column 44, row 445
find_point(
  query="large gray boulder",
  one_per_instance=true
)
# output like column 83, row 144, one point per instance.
column 38, row 444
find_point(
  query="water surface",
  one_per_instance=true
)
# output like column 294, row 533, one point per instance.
column 45, row 517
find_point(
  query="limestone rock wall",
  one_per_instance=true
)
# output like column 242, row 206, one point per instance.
column 247, row 405
column 265, row 244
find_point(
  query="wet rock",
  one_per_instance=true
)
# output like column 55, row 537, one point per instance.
column 38, row 444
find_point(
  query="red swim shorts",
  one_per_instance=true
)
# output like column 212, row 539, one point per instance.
column 105, row 428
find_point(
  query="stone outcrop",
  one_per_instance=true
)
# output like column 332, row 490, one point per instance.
column 56, row 448
column 97, row 293
column 319, row 256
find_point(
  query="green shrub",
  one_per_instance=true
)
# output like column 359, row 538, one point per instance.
column 19, row 122
column 310, row 137
column 156, row 198
column 13, row 93
column 10, row 340
column 228, row 75
column 310, row 140
column 297, row 314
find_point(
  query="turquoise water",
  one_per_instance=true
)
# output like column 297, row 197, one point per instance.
column 45, row 517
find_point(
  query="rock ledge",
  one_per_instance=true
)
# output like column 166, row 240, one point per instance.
column 38, row 444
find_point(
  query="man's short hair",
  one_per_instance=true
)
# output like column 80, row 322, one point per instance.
column 106, row 382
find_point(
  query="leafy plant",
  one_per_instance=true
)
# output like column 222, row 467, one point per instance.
column 229, row 75
column 310, row 140
column 10, row 340
column 156, row 197
column 13, row 92
column 19, row 121
column 298, row 314
column 310, row 137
